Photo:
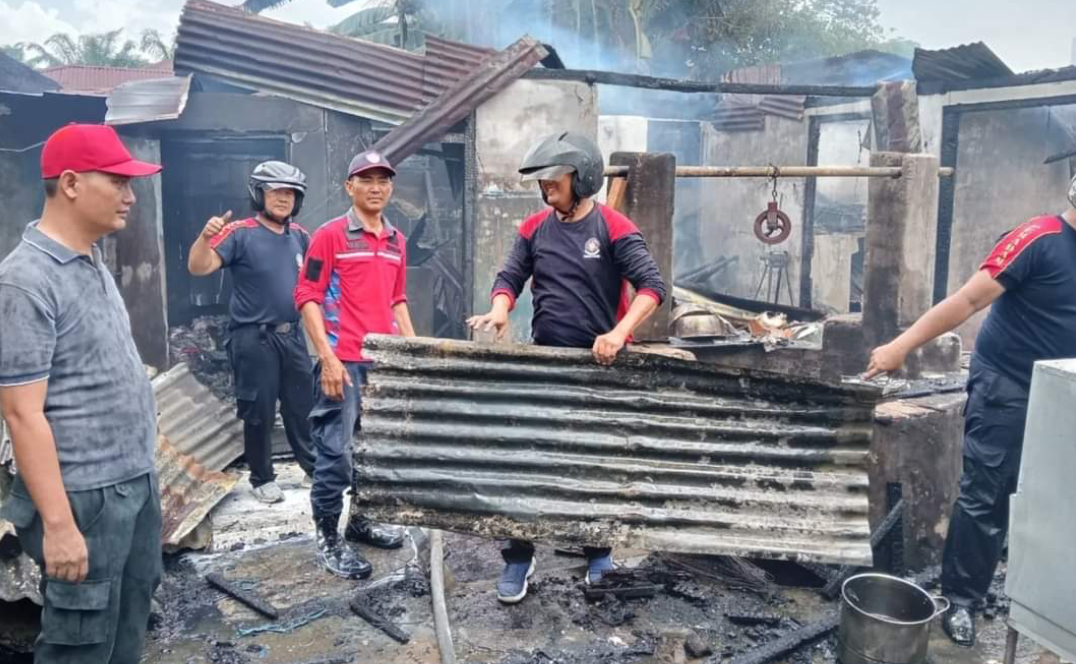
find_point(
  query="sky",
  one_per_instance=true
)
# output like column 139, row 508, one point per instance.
column 1026, row 34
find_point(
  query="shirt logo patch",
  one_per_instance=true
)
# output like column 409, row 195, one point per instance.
column 299, row 260
column 592, row 249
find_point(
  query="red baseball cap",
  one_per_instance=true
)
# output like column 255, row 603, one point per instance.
column 89, row 147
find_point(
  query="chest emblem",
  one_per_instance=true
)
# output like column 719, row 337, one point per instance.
column 299, row 260
column 592, row 249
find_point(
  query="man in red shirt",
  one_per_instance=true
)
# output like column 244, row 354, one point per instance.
column 353, row 283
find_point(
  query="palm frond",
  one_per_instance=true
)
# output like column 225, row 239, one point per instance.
column 365, row 22
column 259, row 6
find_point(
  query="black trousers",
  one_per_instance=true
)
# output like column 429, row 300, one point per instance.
column 270, row 367
column 521, row 551
column 994, row 421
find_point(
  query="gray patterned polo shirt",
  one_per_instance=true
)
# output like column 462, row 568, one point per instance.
column 62, row 319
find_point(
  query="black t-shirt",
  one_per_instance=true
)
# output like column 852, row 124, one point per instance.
column 580, row 272
column 1035, row 319
column 265, row 267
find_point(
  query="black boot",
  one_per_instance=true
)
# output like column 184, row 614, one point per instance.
column 362, row 530
column 334, row 555
column 959, row 624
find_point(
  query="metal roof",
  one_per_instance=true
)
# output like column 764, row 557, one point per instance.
column 483, row 82
column 148, row 101
column 188, row 491
column 17, row 77
column 655, row 452
column 316, row 67
column 99, row 80
column 960, row 63
column 196, row 422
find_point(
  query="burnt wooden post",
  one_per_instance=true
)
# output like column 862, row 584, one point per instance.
column 898, row 283
column 648, row 201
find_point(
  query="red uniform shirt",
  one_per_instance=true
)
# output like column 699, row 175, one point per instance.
column 357, row 278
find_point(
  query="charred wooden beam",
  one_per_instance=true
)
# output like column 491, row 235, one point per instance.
column 592, row 76
column 243, row 596
column 788, row 643
column 359, row 608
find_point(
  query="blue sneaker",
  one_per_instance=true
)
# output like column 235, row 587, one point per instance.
column 512, row 587
column 597, row 567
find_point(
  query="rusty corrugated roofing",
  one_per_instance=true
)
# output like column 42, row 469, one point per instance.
column 188, row 491
column 316, row 67
column 196, row 422
column 655, row 453
column 487, row 79
column 99, row 80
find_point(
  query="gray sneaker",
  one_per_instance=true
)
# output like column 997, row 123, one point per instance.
column 269, row 493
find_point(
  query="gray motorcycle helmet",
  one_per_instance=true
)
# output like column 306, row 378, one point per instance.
column 566, row 152
column 276, row 175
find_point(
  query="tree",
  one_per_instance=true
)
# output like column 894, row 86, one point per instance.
column 104, row 49
column 686, row 38
column 156, row 48
column 16, row 51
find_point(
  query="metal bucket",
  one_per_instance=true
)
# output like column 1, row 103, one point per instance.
column 886, row 620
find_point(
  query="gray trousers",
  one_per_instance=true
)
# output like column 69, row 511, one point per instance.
column 102, row 620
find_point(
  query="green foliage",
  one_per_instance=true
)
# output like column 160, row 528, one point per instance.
column 105, row 50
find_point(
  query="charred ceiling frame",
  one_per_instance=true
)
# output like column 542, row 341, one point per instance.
column 950, row 147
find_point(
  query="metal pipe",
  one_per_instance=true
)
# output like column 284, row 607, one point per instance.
column 437, row 597
column 782, row 171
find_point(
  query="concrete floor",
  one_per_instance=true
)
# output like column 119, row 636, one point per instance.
column 271, row 549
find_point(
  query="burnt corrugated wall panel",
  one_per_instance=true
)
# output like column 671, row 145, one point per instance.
column 655, row 452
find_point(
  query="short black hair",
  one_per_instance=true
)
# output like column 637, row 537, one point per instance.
column 52, row 185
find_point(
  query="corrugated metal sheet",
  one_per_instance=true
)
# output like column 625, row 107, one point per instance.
column 489, row 78
column 448, row 62
column 99, row 80
column 313, row 66
column 196, row 422
column 960, row 63
column 739, row 117
column 790, row 106
column 148, row 101
column 188, row 491
column 655, row 452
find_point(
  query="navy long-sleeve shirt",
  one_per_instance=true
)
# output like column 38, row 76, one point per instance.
column 580, row 273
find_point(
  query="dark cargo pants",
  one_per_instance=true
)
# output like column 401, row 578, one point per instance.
column 270, row 367
column 994, row 421
column 102, row 620
column 333, row 425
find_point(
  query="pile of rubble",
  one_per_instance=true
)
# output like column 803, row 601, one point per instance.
column 201, row 346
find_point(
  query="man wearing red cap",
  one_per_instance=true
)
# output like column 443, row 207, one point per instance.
column 73, row 389
column 353, row 283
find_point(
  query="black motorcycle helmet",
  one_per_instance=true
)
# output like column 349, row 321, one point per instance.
column 276, row 175
column 566, row 152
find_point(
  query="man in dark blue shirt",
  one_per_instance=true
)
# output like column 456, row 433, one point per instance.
column 1030, row 277
column 581, row 258
column 267, row 348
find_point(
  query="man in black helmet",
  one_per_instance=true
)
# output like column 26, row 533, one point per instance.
column 585, row 255
column 267, row 348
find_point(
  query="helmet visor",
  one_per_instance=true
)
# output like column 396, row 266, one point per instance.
column 547, row 173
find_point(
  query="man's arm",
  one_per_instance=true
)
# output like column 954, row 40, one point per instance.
column 309, row 298
column 637, row 265
column 204, row 259
column 974, row 296
column 402, row 315
column 64, row 547
column 518, row 268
